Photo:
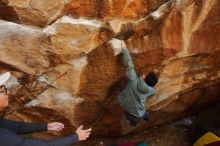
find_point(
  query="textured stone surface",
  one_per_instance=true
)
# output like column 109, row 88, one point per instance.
column 26, row 49
column 77, row 36
column 108, row 9
column 68, row 70
column 35, row 12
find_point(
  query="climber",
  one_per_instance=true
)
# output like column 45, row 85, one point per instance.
column 9, row 129
column 138, row 89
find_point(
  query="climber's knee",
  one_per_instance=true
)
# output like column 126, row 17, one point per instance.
column 146, row 116
column 132, row 119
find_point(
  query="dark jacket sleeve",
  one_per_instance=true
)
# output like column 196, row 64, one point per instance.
column 9, row 138
column 65, row 141
column 22, row 127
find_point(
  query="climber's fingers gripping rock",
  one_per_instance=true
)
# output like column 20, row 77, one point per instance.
column 83, row 134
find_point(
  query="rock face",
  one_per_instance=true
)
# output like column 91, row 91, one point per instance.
column 67, row 70
column 36, row 12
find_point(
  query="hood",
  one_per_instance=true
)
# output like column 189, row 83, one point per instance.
column 143, row 87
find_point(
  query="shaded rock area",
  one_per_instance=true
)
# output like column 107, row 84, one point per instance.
column 156, row 136
column 64, row 68
column 184, row 132
column 206, row 121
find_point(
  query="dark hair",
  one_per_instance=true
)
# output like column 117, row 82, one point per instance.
column 151, row 79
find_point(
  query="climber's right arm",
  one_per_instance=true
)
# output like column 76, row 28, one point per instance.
column 130, row 71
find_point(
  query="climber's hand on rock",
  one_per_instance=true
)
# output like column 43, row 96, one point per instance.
column 123, row 45
column 83, row 134
column 55, row 126
column 116, row 46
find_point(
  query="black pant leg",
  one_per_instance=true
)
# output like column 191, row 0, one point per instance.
column 133, row 119
column 146, row 116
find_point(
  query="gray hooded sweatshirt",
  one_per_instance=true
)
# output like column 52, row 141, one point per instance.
column 133, row 97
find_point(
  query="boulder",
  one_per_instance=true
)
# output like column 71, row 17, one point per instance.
column 69, row 71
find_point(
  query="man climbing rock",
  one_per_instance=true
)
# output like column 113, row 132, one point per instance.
column 10, row 130
column 138, row 89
